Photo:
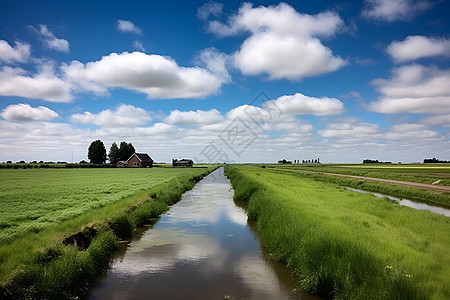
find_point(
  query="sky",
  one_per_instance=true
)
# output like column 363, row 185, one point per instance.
column 226, row 81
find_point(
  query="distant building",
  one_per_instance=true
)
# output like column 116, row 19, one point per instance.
column 122, row 164
column 182, row 162
column 137, row 160
column 284, row 161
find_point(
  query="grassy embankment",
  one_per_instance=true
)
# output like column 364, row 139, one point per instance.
column 347, row 245
column 412, row 173
column 59, row 227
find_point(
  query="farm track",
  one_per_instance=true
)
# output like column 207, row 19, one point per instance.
column 396, row 182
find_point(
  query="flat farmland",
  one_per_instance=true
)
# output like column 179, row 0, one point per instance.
column 33, row 199
column 423, row 173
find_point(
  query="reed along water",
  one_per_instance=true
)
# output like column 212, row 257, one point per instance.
column 202, row 248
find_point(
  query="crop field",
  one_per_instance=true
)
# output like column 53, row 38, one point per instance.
column 437, row 174
column 344, row 244
column 32, row 199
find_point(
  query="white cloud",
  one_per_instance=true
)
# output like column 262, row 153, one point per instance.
column 414, row 89
column 127, row 26
column 409, row 131
column 41, row 140
column 24, row 112
column 394, row 10
column 51, row 41
column 19, row 53
column 209, row 9
column 44, row 85
column 199, row 117
column 299, row 104
column 283, row 43
column 440, row 120
column 138, row 46
column 351, row 131
column 417, row 46
column 216, row 62
column 123, row 116
column 155, row 75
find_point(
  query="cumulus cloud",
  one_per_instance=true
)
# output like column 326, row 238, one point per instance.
column 44, row 85
column 394, row 10
column 414, row 89
column 24, row 112
column 123, row 116
column 127, row 26
column 19, row 53
column 50, row 40
column 417, row 46
column 209, row 9
column 155, row 75
column 199, row 117
column 351, row 131
column 299, row 104
column 439, row 120
column 215, row 61
column 410, row 131
column 283, row 43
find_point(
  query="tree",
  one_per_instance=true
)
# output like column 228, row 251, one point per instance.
column 97, row 152
column 114, row 154
column 126, row 150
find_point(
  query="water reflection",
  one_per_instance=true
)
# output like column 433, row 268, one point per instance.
column 201, row 249
column 409, row 203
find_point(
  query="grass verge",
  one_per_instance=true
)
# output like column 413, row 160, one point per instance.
column 345, row 245
column 60, row 261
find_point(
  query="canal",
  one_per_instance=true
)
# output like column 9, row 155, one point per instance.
column 202, row 248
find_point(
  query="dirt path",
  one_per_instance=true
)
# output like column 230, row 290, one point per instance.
column 397, row 182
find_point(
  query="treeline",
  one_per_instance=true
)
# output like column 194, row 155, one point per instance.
column 97, row 152
column 372, row 161
column 435, row 161
column 55, row 166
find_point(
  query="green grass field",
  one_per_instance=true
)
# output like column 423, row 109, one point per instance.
column 345, row 244
column 32, row 199
column 423, row 173
column 59, row 227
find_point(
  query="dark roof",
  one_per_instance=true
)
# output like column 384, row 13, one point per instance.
column 184, row 160
column 143, row 157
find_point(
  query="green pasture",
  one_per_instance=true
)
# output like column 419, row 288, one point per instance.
column 423, row 173
column 343, row 244
column 32, row 199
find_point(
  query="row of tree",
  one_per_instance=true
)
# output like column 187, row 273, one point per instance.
column 97, row 152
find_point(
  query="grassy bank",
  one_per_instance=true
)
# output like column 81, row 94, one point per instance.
column 347, row 245
column 61, row 259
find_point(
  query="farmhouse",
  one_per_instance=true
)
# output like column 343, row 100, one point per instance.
column 137, row 160
column 182, row 162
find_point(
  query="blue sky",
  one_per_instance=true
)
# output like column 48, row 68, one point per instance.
column 226, row 81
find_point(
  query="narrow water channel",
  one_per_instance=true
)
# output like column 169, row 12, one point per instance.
column 409, row 203
column 201, row 249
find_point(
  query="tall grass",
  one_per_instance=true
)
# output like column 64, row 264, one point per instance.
column 61, row 260
column 346, row 245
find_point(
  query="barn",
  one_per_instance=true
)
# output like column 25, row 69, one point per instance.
column 182, row 162
column 137, row 160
